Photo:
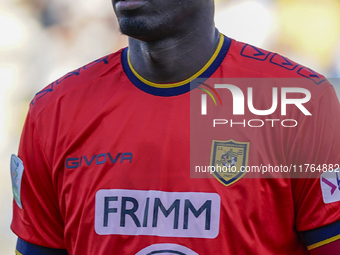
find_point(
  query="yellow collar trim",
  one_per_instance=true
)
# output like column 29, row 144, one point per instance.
column 177, row 84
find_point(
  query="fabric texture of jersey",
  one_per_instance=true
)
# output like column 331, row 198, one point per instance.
column 107, row 159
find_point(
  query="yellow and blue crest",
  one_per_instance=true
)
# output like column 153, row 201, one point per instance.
column 228, row 160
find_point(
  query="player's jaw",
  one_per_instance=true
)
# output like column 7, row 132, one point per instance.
column 136, row 18
column 150, row 20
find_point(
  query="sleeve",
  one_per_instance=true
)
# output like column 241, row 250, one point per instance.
column 36, row 214
column 316, row 191
column 318, row 237
column 328, row 249
column 25, row 248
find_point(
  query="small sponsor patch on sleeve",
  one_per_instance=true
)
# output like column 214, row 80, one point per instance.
column 17, row 170
column 330, row 186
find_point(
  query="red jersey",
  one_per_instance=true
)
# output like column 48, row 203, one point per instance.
column 106, row 157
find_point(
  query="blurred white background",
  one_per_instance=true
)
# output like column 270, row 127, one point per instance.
column 41, row 40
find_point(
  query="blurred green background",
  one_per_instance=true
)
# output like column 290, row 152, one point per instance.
column 41, row 40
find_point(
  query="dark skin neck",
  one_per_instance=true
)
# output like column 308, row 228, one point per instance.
column 177, row 56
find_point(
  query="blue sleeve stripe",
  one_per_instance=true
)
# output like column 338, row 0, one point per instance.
column 317, row 237
column 26, row 248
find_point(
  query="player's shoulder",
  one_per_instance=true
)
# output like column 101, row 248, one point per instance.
column 77, row 79
column 259, row 63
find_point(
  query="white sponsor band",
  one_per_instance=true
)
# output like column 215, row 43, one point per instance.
column 157, row 213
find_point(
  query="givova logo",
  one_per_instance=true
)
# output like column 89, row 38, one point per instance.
column 157, row 213
column 72, row 163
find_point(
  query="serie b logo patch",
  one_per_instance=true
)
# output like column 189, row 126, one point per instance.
column 228, row 160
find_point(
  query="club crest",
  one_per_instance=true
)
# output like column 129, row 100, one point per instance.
column 229, row 159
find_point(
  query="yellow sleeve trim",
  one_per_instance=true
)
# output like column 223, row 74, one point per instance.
column 177, row 84
column 17, row 252
column 329, row 240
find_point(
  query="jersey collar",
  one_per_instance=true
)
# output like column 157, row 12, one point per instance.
column 177, row 88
